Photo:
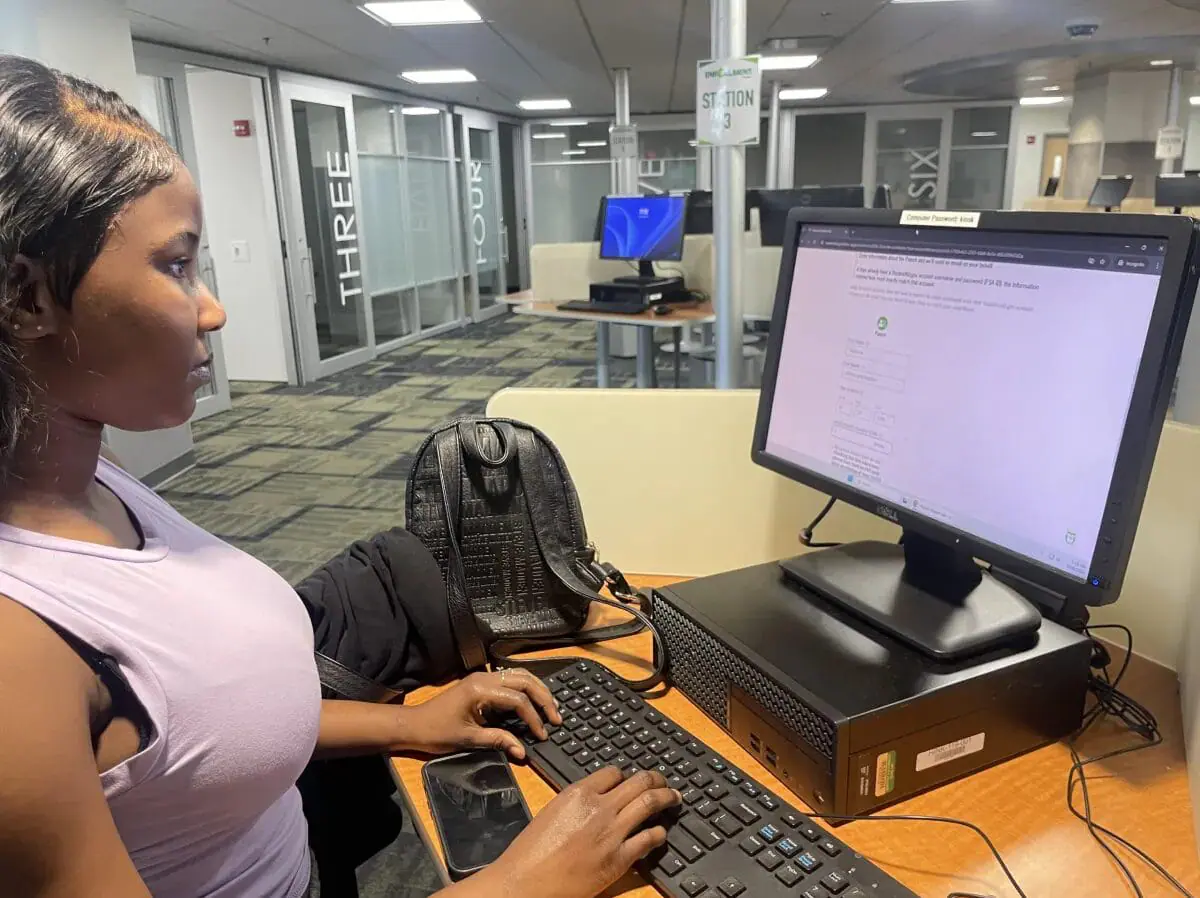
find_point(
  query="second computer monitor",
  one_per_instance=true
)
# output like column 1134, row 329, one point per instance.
column 774, row 205
column 643, row 229
column 1110, row 190
column 700, row 211
column 1177, row 190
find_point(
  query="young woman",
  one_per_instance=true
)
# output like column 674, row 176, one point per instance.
column 158, row 697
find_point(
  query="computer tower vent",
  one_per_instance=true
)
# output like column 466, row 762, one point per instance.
column 703, row 668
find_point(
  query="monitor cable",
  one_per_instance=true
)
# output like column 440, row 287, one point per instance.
column 806, row 535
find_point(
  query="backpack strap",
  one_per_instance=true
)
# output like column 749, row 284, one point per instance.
column 350, row 685
column 545, row 517
column 462, row 615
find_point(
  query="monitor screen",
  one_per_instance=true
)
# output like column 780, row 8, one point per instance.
column 700, row 211
column 978, row 379
column 774, row 206
column 1110, row 191
column 1177, row 190
column 643, row 227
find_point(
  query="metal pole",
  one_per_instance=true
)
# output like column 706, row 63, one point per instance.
column 627, row 169
column 625, row 185
column 1173, row 98
column 729, row 200
column 773, row 138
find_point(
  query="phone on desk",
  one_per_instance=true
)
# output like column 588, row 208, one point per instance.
column 477, row 807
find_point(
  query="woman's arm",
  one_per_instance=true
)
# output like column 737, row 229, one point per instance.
column 57, row 837
column 452, row 720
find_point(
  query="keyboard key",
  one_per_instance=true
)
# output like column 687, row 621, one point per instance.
column 769, row 833
column 676, row 782
column 621, row 741
column 726, row 823
column 628, row 770
column 660, row 748
column 608, row 731
column 752, row 845
column 621, row 693
column 695, row 748
column 855, row 892
column 815, row 892
column 716, row 791
column 787, row 847
column 620, row 717
column 742, row 811
column 707, row 808
column 692, row 885
column 606, row 753
column 700, row 780
column 583, row 666
column 679, row 737
column 584, row 757
column 792, row 819
column 574, row 703
column 608, row 707
column 634, row 750
column 631, row 726
column 653, row 717
column 573, row 746
column 768, row 802
column 594, row 743
column 597, row 678
column 731, row 887
column 560, row 736
column 564, row 694
column 811, row 833
column 835, row 881
column 586, row 691
column 692, row 795
column 704, row 834
column 643, row 736
column 689, row 849
column 594, row 766
column 769, row 859
column 750, row 789
column 662, row 769
column 571, row 722
column 584, row 733
column 647, row 761
column 622, row 761
column 830, row 847
column 733, row 777
column 635, row 704
column 666, row 727
column 670, row 864
column 596, row 722
column 596, row 700
column 788, row 875
column 807, row 862
column 685, row 769
column 716, row 765
column 672, row 756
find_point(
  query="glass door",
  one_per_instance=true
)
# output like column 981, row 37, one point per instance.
column 486, row 240
column 163, row 100
column 910, row 154
column 332, row 309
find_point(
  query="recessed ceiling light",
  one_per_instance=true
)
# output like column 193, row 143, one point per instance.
column 1195, row 101
column 803, row 93
column 592, row 143
column 569, row 123
column 419, row 110
column 692, row 143
column 423, row 12
column 1036, row 78
column 438, row 76
column 550, row 135
column 985, row 133
column 1051, row 88
column 543, row 105
column 780, row 63
column 1041, row 101
column 574, row 152
column 1162, row 62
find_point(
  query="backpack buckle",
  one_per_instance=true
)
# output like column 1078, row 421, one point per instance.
column 613, row 579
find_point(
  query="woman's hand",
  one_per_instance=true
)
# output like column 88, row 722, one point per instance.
column 585, row 839
column 456, row 718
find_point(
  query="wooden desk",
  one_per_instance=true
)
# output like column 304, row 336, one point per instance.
column 646, row 323
column 1020, row 804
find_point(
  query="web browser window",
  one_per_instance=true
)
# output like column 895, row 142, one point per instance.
column 979, row 379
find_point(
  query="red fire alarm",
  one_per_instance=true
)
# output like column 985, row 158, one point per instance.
column 1030, row 139
column 241, row 127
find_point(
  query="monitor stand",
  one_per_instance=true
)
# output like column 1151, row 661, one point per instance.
column 645, row 274
column 925, row 593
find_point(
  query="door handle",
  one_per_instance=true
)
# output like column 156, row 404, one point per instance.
column 504, row 242
column 310, row 286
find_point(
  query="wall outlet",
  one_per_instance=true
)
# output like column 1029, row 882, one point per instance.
column 241, row 251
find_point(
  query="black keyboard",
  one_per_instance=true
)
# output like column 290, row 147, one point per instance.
column 612, row 308
column 731, row 836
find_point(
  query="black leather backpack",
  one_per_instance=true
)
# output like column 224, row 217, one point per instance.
column 494, row 503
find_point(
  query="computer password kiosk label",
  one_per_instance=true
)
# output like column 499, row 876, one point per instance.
column 938, row 218
column 950, row 751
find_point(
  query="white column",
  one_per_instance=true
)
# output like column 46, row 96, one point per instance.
column 1174, row 97
column 729, row 199
column 627, row 169
column 773, row 137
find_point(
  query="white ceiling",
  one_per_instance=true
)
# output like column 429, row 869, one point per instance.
column 554, row 48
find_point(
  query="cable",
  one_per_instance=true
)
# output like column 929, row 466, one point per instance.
column 806, row 535
column 922, row 818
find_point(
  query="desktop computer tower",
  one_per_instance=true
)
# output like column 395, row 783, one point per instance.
column 847, row 717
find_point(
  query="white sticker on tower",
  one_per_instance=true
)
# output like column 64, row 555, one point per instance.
column 949, row 752
column 939, row 218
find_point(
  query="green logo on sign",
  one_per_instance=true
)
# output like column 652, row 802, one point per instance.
column 882, row 324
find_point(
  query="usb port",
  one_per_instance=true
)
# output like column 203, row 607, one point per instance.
column 771, row 758
column 755, row 745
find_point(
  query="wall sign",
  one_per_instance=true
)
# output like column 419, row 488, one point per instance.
column 345, row 230
column 923, row 175
column 241, row 127
column 478, row 221
column 1170, row 143
column 728, row 97
column 623, row 141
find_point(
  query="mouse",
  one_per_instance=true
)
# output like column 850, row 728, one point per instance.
column 662, row 310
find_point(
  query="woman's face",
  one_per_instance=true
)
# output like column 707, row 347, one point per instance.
column 130, row 351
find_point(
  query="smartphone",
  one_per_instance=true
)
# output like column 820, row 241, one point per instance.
column 477, row 807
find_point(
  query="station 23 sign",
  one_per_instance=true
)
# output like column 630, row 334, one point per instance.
column 728, row 99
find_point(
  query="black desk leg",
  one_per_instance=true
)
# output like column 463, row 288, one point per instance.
column 678, row 353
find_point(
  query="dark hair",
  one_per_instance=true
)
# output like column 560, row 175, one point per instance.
column 72, row 157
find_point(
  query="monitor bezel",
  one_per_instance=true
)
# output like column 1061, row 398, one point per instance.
column 675, row 257
column 1148, row 404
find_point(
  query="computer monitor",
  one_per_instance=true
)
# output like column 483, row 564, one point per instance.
column 774, row 205
column 997, row 391
column 883, row 196
column 1110, row 191
column 599, row 232
column 1051, row 188
column 643, row 229
column 1177, row 191
column 700, row 211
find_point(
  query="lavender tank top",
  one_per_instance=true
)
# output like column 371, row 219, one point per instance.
column 219, row 650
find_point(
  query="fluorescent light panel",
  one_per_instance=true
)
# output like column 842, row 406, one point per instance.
column 423, row 12
column 1052, row 88
column 803, row 93
column 1195, row 101
column 419, row 110
column 1041, row 101
column 781, row 63
column 438, row 76
column 985, row 133
column 550, row 135
column 1161, row 62
column 1036, row 78
column 574, row 152
column 592, row 143
column 544, row 105
column 568, row 123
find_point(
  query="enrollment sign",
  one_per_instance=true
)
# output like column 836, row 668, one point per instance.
column 1170, row 143
column 623, row 141
column 728, row 97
